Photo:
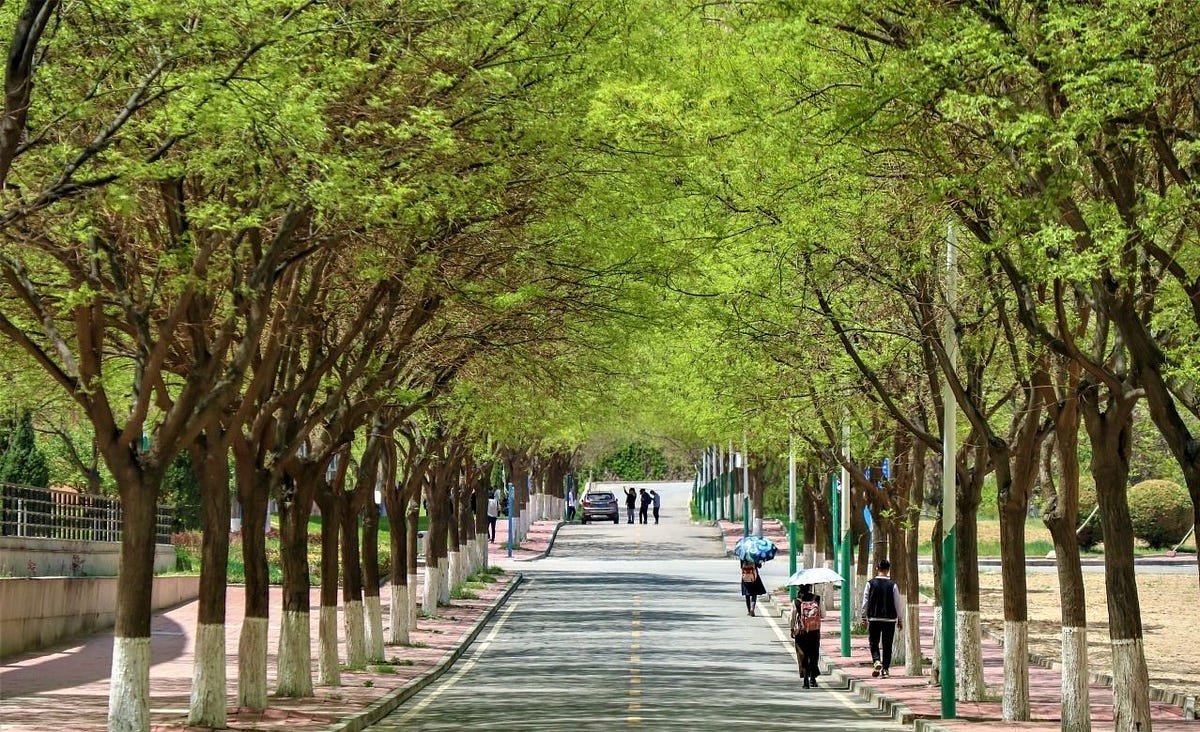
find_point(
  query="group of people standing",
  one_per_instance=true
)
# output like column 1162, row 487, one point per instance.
column 648, row 499
column 880, row 611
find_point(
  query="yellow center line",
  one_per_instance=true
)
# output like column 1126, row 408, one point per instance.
column 635, row 659
column 635, row 634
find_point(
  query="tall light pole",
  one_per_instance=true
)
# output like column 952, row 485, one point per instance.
column 949, row 487
column 746, row 487
column 791, row 511
column 844, row 511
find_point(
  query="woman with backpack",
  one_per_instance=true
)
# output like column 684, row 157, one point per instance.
column 752, row 585
column 807, row 614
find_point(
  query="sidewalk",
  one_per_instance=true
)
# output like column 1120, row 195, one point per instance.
column 66, row 687
column 911, row 700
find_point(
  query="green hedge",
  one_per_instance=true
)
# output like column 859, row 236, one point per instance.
column 1161, row 512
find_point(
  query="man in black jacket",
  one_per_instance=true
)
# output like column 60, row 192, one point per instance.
column 881, row 606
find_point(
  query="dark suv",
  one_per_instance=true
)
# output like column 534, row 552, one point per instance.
column 600, row 504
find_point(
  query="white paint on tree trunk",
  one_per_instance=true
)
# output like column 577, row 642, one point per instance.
column 374, row 611
column 294, row 671
column 329, row 665
column 1014, row 700
column 483, row 549
column 414, row 590
column 356, row 639
column 429, row 600
column 207, row 704
column 252, row 664
column 443, row 595
column 1131, row 682
column 912, row 631
column 810, row 555
column 129, row 687
column 935, row 672
column 899, row 640
column 398, row 615
column 1076, row 699
column 969, row 663
column 453, row 569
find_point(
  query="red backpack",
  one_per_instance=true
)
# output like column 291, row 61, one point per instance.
column 749, row 573
column 810, row 615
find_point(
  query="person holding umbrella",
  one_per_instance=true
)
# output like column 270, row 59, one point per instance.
column 807, row 614
column 752, row 584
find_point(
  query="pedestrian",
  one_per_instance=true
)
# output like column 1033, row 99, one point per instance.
column 807, row 614
column 630, row 501
column 572, row 502
column 752, row 585
column 493, row 511
column 657, row 503
column 881, row 610
column 644, row 514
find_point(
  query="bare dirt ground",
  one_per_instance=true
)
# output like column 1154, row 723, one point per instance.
column 1169, row 605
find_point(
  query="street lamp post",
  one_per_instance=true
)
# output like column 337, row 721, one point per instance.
column 844, row 547
column 791, row 512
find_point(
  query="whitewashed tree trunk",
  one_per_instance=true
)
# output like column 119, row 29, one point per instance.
column 810, row 553
column 453, row 570
column 252, row 664
column 432, row 590
column 356, row 640
column 1014, row 700
column 329, row 672
column 935, row 671
column 413, row 592
column 443, row 596
column 294, row 677
column 483, row 550
column 207, row 704
column 1131, row 682
column 399, row 615
column 129, row 688
column 374, row 611
column 912, row 630
column 900, row 639
column 969, row 663
column 1076, row 699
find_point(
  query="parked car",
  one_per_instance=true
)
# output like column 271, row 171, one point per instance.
column 600, row 505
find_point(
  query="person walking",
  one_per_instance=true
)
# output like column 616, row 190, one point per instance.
column 752, row 585
column 572, row 502
column 881, row 605
column 656, row 502
column 493, row 511
column 807, row 614
column 630, row 501
column 644, row 514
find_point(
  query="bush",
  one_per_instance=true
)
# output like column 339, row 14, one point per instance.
column 21, row 462
column 1161, row 512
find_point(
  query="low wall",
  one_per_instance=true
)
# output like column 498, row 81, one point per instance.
column 36, row 612
column 23, row 556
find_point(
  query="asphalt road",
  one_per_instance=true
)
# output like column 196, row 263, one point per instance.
column 632, row 627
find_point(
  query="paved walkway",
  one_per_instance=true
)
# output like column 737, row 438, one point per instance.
column 66, row 687
column 912, row 699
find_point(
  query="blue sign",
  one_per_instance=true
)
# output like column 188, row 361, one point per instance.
column 887, row 469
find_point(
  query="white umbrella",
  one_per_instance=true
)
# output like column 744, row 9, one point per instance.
column 814, row 576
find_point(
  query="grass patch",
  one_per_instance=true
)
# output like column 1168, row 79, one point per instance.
column 384, row 669
column 462, row 593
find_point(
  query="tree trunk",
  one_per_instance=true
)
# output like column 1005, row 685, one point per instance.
column 1110, row 430
column 394, row 502
column 294, row 673
column 207, row 704
column 912, row 539
column 352, row 589
column 129, row 690
column 808, row 513
column 328, row 660
column 413, row 518
column 968, row 629
column 371, row 579
column 254, row 488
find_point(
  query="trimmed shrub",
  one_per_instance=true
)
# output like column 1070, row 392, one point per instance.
column 1161, row 511
column 21, row 462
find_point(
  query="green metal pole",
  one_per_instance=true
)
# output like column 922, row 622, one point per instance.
column 844, row 507
column 847, row 609
column 792, row 589
column 745, row 515
column 949, row 497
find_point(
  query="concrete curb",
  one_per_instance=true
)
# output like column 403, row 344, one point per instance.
column 549, row 546
column 900, row 713
column 379, row 709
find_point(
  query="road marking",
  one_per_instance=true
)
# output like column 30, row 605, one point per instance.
column 635, row 692
column 635, row 646
column 470, row 664
column 635, row 706
column 791, row 646
column 635, row 634
column 634, row 680
column 635, row 659
column 635, row 671
column 635, row 623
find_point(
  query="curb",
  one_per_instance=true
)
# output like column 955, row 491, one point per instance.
column 900, row 713
column 550, row 545
column 380, row 708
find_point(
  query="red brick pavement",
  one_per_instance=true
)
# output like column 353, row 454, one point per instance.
column 67, row 687
column 912, row 698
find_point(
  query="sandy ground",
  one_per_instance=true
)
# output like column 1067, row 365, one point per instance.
column 1169, row 611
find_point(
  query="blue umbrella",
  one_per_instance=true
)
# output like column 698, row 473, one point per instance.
column 754, row 549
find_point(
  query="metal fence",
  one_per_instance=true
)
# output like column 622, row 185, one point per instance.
column 54, row 514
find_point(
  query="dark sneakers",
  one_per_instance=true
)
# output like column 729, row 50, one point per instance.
column 885, row 673
column 876, row 669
